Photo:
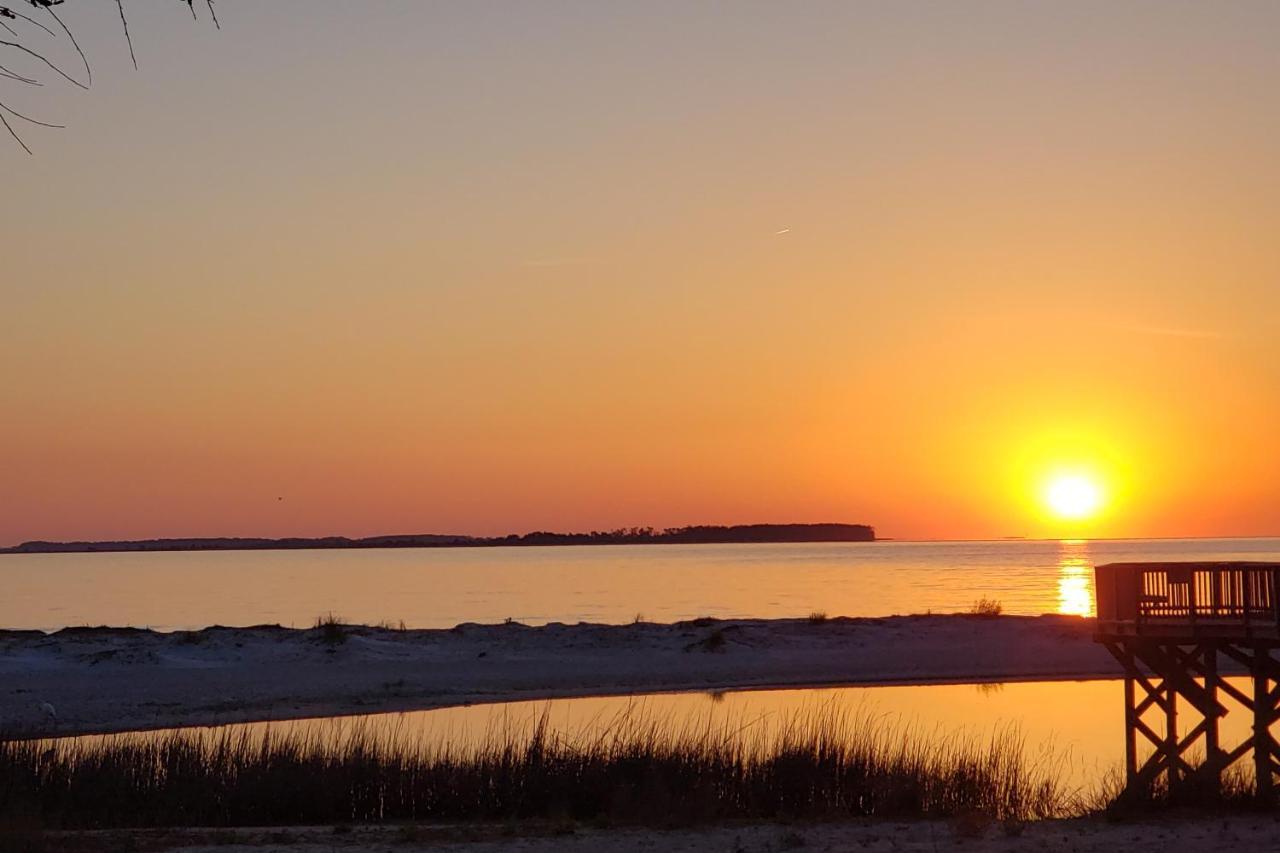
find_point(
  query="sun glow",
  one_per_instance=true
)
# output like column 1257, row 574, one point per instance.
column 1075, row 579
column 1073, row 496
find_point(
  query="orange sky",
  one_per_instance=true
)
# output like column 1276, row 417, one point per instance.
column 496, row 268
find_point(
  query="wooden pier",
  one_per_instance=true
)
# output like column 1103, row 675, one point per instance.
column 1169, row 625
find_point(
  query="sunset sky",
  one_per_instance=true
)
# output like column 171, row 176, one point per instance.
column 361, row 268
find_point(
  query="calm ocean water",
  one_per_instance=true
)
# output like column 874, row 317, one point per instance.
column 443, row 587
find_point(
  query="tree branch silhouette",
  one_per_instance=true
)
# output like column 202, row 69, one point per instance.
column 27, row 41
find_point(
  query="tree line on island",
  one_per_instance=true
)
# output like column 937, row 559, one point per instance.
column 701, row 534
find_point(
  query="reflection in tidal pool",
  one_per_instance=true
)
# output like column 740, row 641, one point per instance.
column 1075, row 729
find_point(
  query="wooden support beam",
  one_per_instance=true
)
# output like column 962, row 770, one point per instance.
column 1236, row 694
column 1177, row 680
column 1171, row 735
column 1192, row 736
column 1239, row 655
column 1146, row 731
column 1212, row 749
column 1191, row 660
column 1182, row 678
column 1264, row 714
column 1125, row 655
column 1167, row 623
column 1238, row 753
column 1130, row 731
column 1151, row 768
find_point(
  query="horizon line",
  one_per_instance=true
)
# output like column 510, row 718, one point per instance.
column 496, row 539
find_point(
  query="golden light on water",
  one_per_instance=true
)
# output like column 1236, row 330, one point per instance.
column 1075, row 580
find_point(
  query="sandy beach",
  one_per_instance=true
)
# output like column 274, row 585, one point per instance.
column 92, row 680
column 1242, row 833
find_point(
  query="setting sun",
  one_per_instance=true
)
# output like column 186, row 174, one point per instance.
column 1073, row 496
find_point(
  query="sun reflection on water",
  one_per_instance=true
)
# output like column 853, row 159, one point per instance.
column 1075, row 579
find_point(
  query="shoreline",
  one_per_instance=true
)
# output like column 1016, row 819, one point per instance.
column 549, row 696
column 102, row 680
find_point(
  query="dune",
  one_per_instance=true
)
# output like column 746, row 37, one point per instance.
column 96, row 680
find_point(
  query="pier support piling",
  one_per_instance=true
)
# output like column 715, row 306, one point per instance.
column 1168, row 624
column 1168, row 686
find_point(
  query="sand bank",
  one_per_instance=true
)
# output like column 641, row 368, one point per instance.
column 112, row 679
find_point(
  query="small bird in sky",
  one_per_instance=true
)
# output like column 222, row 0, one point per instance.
column 782, row 231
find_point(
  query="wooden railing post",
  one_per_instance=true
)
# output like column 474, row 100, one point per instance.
column 1275, row 598
column 1248, row 598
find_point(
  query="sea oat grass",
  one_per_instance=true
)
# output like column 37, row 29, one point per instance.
column 986, row 607
column 820, row 764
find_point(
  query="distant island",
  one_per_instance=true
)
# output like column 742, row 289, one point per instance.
column 704, row 534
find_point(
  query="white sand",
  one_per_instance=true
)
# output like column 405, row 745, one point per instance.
column 1238, row 834
column 101, row 680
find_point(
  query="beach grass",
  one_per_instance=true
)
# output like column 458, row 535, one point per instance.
column 331, row 629
column 986, row 607
column 826, row 763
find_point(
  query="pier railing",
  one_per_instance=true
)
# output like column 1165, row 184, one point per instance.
column 1201, row 599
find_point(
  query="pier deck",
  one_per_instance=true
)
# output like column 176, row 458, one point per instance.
column 1168, row 624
